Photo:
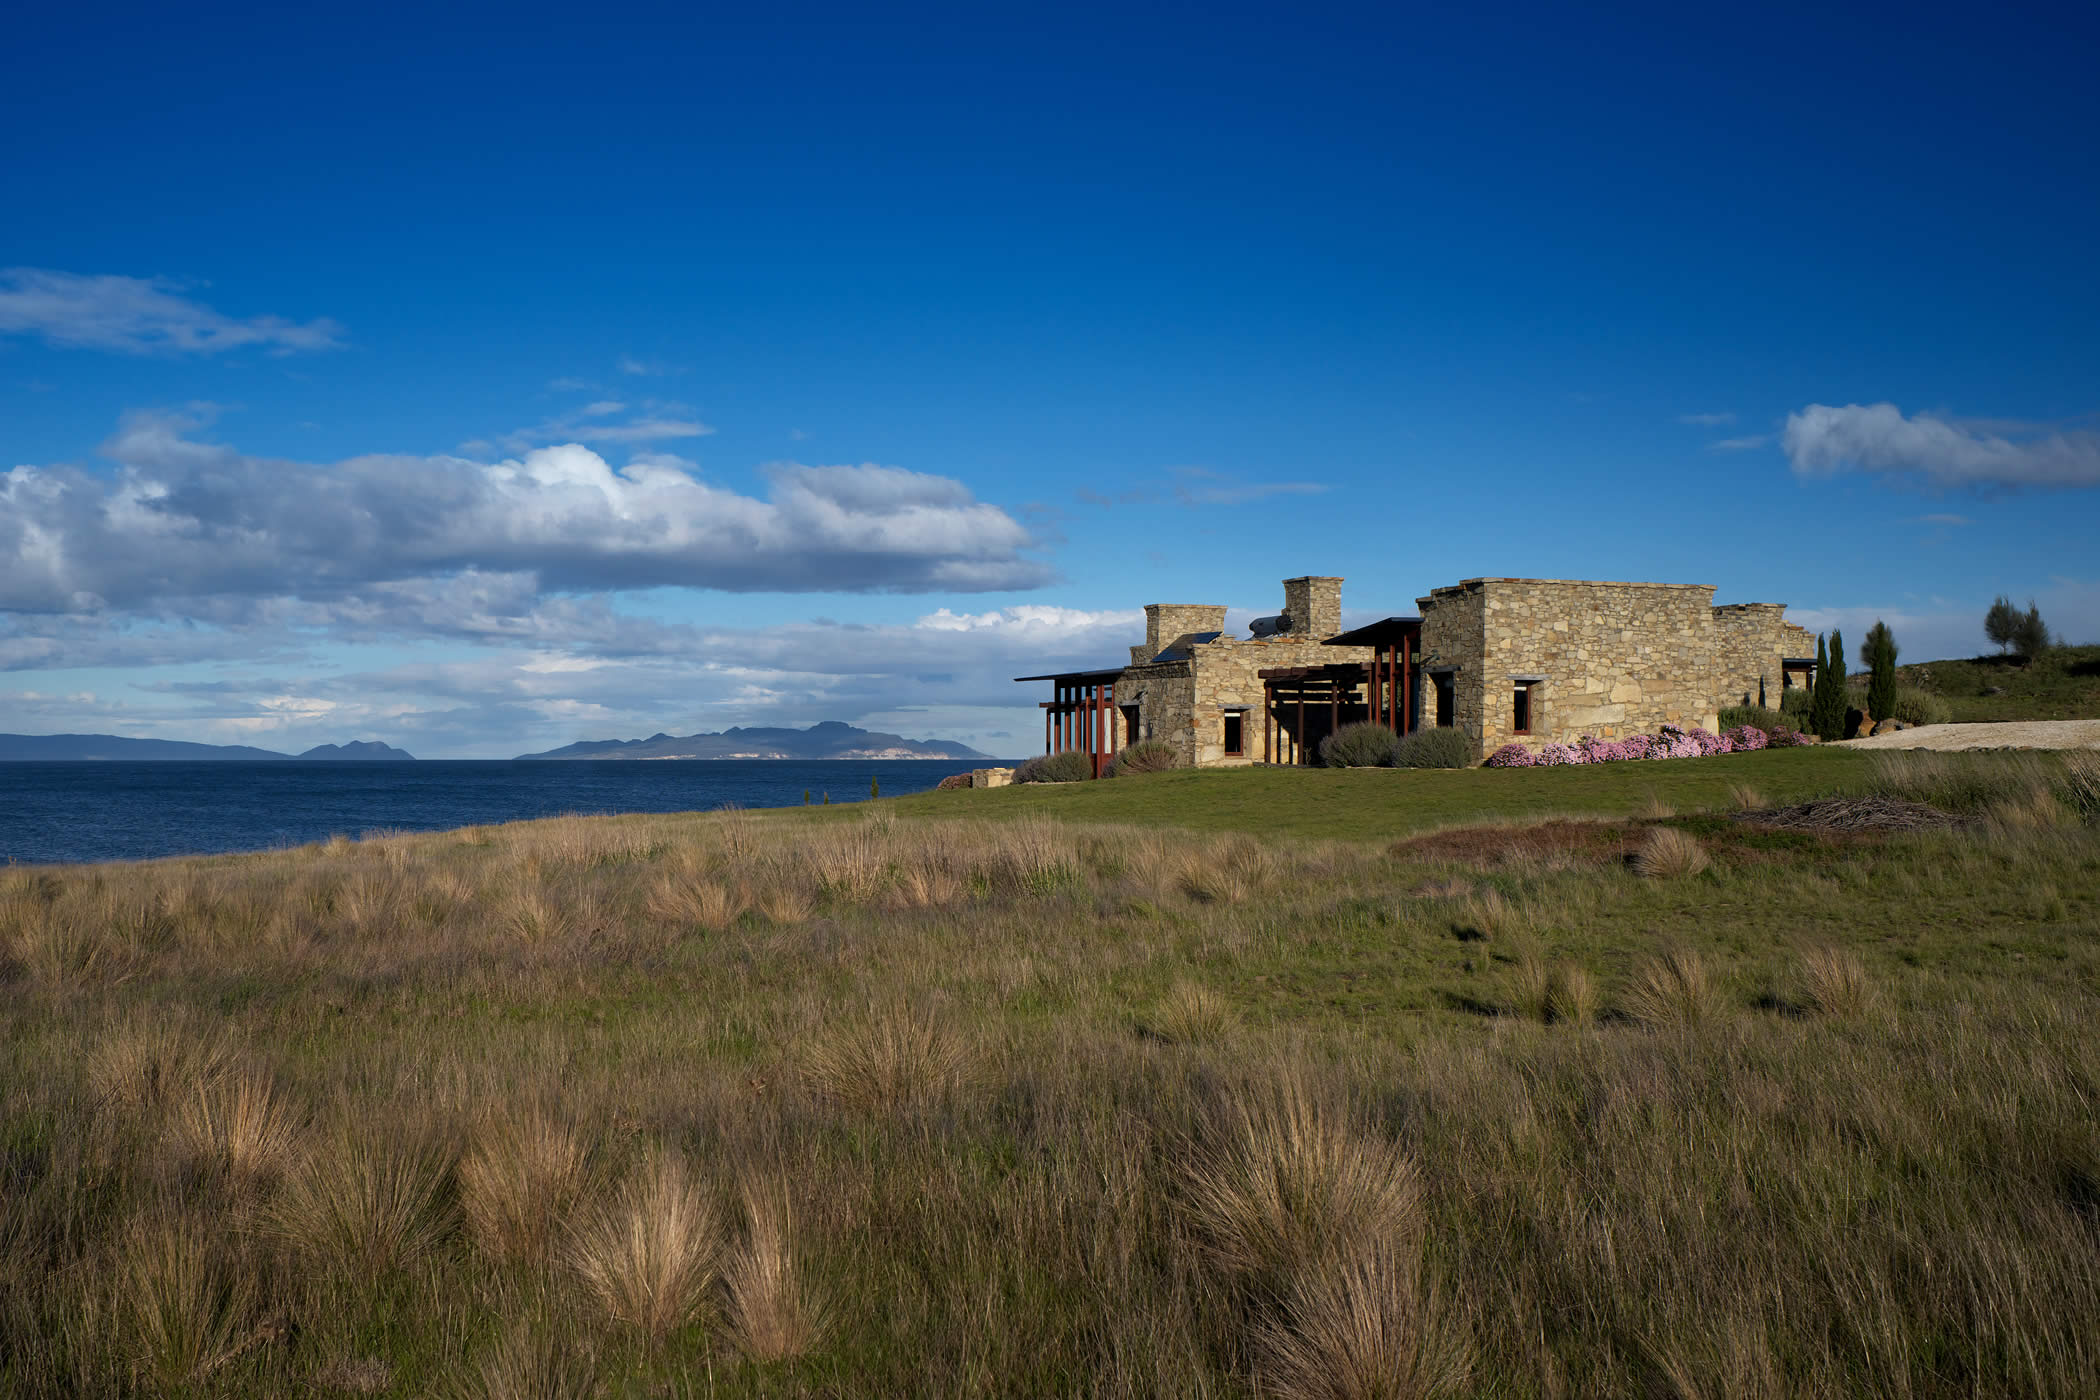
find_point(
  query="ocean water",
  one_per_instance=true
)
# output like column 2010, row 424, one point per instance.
column 136, row 811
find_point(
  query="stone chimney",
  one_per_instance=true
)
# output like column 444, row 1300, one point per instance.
column 1314, row 606
column 1168, row 623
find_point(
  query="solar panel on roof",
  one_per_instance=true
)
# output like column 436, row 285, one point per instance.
column 1195, row 639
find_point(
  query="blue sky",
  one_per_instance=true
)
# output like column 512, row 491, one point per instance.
column 486, row 380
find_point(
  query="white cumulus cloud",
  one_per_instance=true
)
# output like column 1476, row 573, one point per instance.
column 1822, row 440
column 186, row 519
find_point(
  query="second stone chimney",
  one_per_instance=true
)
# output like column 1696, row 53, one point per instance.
column 1314, row 606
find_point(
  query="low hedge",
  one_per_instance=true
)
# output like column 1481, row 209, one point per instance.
column 1070, row 766
column 1360, row 746
column 1434, row 748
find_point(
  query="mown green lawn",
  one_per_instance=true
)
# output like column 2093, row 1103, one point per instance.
column 1379, row 803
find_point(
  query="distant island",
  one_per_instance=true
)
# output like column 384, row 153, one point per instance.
column 830, row 739
column 105, row 748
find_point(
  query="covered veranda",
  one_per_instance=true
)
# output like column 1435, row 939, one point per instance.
column 1302, row 705
column 1081, row 715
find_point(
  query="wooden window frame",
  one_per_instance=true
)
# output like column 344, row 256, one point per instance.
column 1232, row 719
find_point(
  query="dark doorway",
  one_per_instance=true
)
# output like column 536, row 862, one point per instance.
column 1446, row 699
column 1235, row 735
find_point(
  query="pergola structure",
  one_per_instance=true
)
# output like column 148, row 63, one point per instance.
column 1081, row 715
column 1302, row 705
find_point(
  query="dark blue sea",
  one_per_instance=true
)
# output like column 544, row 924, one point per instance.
column 135, row 811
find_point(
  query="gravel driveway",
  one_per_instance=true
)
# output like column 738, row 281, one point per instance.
column 2011, row 734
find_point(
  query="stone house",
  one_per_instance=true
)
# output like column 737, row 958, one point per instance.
column 1531, row 661
column 1539, row 661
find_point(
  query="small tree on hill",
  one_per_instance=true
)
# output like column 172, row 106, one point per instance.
column 2002, row 622
column 2031, row 636
column 1879, row 652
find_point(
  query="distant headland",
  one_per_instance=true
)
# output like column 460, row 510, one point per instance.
column 108, row 748
column 828, row 740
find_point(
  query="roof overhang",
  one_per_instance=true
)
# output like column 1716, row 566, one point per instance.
column 1391, row 629
column 1085, row 676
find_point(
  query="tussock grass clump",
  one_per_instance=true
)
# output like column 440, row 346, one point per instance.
column 1745, row 798
column 704, row 904
column 237, row 1121
column 1667, row 853
column 1673, row 991
column 1192, row 1014
column 1835, row 982
column 362, row 1206
column 1358, row 1328
column 187, row 1309
column 1145, row 756
column 1287, row 1180
column 648, row 1255
column 532, row 1363
column 889, row 1062
column 786, row 905
column 516, row 1182
column 1571, row 995
column 151, row 1061
column 533, row 916
column 771, row 1310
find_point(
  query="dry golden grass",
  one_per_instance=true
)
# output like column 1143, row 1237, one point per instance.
column 1192, row 1014
column 786, row 904
column 890, row 1060
column 1029, row 1170
column 1673, row 991
column 518, row 1181
column 1667, row 853
column 1835, row 982
column 771, row 1310
column 648, row 1255
column 706, row 904
column 236, row 1121
column 1571, row 995
column 187, row 1309
column 1286, row 1179
column 1745, row 798
column 365, row 1203
column 1357, row 1326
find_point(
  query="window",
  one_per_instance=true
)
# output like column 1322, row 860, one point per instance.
column 1520, row 718
column 1235, row 735
column 1130, row 725
column 1446, row 698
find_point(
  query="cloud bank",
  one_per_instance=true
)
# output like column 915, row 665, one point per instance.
column 141, row 316
column 183, row 519
column 1822, row 440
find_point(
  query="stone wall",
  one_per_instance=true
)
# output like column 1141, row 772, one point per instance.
column 1184, row 703
column 1608, row 659
column 1168, row 623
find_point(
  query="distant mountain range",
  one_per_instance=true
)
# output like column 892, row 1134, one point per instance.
column 25, row 748
column 830, row 739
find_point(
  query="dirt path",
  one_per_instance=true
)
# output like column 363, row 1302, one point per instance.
column 2014, row 734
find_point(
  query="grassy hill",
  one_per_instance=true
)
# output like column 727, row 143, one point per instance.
column 1375, row 1084
column 2064, row 683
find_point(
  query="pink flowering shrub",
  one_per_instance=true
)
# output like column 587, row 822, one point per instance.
column 1675, row 741
column 1748, row 738
column 1559, row 755
column 1511, row 756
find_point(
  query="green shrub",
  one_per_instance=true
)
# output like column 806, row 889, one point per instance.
column 1070, row 766
column 1915, row 706
column 1756, row 716
column 1796, row 700
column 1434, row 748
column 1145, row 756
column 1360, row 746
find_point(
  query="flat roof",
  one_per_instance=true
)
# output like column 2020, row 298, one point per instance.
column 1383, row 630
column 1075, row 675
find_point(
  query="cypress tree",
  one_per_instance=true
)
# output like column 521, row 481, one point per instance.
column 1838, row 698
column 1880, row 653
